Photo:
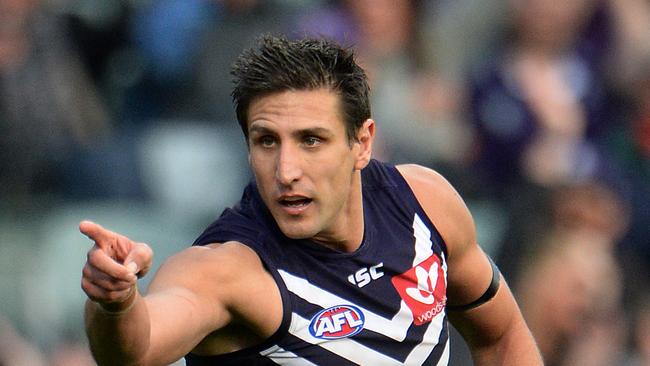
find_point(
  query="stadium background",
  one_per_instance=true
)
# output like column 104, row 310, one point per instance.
column 537, row 111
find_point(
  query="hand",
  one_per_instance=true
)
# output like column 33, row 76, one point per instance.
column 113, row 267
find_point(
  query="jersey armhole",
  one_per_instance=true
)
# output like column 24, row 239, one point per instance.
column 402, row 184
column 283, row 329
column 287, row 306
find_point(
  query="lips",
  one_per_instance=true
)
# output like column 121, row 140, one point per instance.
column 294, row 204
column 295, row 201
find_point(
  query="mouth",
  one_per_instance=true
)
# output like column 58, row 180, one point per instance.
column 294, row 204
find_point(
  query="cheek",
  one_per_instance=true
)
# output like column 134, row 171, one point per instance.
column 339, row 182
column 263, row 174
column 261, row 165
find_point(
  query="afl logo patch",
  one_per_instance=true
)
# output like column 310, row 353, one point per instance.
column 337, row 322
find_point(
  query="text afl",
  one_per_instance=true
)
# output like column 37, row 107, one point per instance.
column 337, row 322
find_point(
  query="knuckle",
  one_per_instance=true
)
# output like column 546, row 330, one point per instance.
column 89, row 289
column 144, row 248
column 115, row 296
column 84, row 285
column 93, row 256
column 86, row 272
column 111, row 296
column 101, row 283
column 140, row 249
column 115, row 285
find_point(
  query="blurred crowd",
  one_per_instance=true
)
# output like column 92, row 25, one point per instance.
column 537, row 111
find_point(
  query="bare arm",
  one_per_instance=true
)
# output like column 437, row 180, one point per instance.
column 109, row 279
column 495, row 331
column 194, row 294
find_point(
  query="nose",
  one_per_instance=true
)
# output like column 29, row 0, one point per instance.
column 288, row 168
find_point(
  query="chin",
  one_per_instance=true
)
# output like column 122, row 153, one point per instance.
column 294, row 232
column 297, row 234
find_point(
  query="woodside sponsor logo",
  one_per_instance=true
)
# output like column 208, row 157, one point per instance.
column 424, row 289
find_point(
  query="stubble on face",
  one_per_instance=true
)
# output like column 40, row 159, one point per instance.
column 304, row 165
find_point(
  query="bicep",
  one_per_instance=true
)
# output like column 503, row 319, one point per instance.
column 180, row 319
column 495, row 330
column 488, row 323
column 469, row 271
column 470, row 276
column 183, row 305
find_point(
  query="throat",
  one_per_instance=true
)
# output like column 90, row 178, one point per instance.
column 347, row 240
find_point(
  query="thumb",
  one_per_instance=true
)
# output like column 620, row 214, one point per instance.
column 139, row 259
column 132, row 267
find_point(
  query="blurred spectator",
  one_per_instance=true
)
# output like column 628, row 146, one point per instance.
column 542, row 107
column 591, row 207
column 238, row 24
column 569, row 292
column 570, row 285
column 640, row 353
column 541, row 104
column 416, row 110
column 48, row 106
column 540, row 101
column 165, row 41
column 629, row 150
column 459, row 33
column 631, row 41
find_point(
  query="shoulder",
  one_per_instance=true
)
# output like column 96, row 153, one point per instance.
column 229, row 274
column 213, row 263
column 220, row 285
column 442, row 204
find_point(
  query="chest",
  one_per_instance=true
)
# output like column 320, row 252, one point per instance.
column 387, row 300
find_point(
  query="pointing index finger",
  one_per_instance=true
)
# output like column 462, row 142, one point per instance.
column 96, row 233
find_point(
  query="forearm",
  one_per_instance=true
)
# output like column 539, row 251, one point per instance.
column 119, row 336
column 496, row 332
column 516, row 347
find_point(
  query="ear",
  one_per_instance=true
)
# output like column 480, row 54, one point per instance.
column 365, row 137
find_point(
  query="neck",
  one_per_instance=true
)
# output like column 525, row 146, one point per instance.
column 347, row 232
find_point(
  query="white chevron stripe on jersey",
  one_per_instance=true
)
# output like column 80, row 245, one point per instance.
column 420, row 352
column 362, row 355
column 423, row 244
column 394, row 328
column 422, row 241
column 344, row 347
column 281, row 356
column 444, row 358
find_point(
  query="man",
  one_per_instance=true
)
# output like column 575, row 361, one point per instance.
column 330, row 258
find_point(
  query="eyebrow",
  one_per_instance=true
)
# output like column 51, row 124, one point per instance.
column 301, row 132
column 313, row 131
column 259, row 130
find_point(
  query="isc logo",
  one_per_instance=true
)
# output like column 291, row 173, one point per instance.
column 363, row 276
column 337, row 322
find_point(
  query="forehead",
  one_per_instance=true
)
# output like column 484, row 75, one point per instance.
column 296, row 108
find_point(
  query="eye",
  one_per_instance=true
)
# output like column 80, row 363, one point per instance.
column 311, row 141
column 266, row 141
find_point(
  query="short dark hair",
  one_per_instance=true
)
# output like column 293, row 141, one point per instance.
column 279, row 64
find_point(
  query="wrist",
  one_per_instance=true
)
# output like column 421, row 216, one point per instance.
column 121, row 307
